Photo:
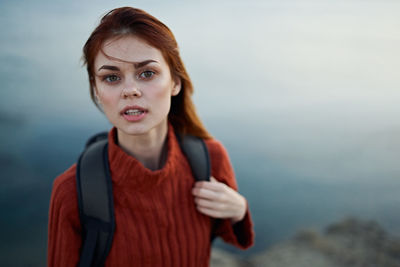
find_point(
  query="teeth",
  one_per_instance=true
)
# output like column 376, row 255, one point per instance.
column 134, row 112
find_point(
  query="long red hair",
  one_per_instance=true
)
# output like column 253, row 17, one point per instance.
column 127, row 21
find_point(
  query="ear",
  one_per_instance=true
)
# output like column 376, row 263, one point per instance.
column 177, row 87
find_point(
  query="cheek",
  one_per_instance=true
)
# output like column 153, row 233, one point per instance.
column 108, row 99
column 164, row 94
column 161, row 92
column 161, row 101
column 106, row 95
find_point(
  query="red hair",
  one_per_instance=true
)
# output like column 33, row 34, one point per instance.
column 132, row 21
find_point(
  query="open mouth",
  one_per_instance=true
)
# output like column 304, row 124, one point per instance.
column 134, row 112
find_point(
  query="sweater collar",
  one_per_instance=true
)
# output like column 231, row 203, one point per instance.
column 128, row 171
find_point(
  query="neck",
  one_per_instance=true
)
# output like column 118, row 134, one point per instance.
column 150, row 149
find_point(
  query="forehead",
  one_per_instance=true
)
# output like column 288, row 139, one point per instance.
column 129, row 49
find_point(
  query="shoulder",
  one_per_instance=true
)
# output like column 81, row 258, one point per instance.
column 64, row 223
column 221, row 167
column 216, row 149
column 66, row 180
column 64, row 192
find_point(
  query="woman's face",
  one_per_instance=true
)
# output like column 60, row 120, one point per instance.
column 134, row 86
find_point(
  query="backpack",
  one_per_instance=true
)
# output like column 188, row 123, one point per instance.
column 95, row 197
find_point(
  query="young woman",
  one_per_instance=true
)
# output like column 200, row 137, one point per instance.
column 163, row 217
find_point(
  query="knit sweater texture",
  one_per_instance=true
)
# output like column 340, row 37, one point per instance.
column 157, row 223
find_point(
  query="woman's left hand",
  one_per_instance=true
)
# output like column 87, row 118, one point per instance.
column 218, row 200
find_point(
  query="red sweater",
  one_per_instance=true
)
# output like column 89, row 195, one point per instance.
column 157, row 223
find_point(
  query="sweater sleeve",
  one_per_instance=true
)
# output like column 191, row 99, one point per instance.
column 240, row 234
column 64, row 230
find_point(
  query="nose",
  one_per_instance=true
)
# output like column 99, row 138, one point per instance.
column 131, row 91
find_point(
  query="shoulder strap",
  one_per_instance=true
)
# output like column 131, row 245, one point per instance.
column 95, row 196
column 196, row 153
column 95, row 200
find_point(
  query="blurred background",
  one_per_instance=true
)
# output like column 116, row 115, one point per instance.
column 304, row 95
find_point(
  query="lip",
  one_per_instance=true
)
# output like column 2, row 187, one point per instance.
column 134, row 118
column 133, row 107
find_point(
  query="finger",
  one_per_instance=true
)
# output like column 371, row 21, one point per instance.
column 206, row 203
column 210, row 212
column 212, row 179
column 204, row 193
column 215, row 186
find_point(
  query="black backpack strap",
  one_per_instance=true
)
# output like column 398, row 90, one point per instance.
column 196, row 153
column 95, row 201
column 95, row 138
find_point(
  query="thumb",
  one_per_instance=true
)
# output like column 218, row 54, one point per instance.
column 213, row 180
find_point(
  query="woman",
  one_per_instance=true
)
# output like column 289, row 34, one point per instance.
column 163, row 217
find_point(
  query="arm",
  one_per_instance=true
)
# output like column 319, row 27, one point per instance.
column 219, row 199
column 64, row 231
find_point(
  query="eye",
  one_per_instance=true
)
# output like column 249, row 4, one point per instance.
column 146, row 74
column 111, row 78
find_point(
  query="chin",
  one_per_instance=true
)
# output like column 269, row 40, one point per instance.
column 134, row 130
column 142, row 127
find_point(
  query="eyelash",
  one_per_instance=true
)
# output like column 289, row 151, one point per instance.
column 106, row 78
column 147, row 71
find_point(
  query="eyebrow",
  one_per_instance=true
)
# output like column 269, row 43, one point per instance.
column 136, row 64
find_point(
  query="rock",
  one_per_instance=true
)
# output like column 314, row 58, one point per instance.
column 349, row 243
column 221, row 258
